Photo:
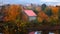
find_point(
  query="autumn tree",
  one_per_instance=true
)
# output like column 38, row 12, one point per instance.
column 55, row 10
column 53, row 20
column 12, row 17
column 3, row 12
column 12, row 13
column 42, row 16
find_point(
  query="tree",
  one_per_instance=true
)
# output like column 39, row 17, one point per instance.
column 59, row 13
column 42, row 16
column 13, row 12
column 2, row 13
column 43, row 6
column 48, row 12
column 53, row 20
column 55, row 10
column 12, row 18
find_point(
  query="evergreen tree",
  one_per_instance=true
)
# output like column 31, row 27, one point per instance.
column 43, row 6
column 49, row 12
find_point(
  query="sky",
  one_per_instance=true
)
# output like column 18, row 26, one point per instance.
column 53, row 2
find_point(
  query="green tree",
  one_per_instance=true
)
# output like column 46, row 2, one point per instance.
column 43, row 6
column 53, row 21
column 59, row 13
column 48, row 12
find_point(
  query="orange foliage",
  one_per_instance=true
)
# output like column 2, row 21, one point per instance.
column 55, row 10
column 12, row 13
column 42, row 16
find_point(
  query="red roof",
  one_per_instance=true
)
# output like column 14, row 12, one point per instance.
column 30, row 13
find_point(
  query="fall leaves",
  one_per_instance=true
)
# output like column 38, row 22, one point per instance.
column 12, row 13
column 55, row 10
column 44, row 15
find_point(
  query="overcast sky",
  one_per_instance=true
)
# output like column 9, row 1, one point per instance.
column 29, row 1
